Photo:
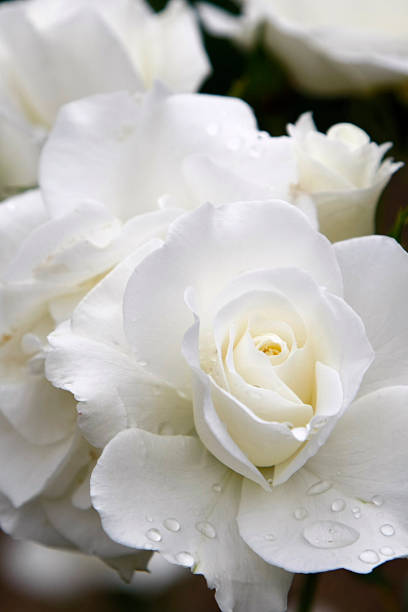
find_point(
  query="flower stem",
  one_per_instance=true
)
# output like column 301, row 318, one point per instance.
column 308, row 592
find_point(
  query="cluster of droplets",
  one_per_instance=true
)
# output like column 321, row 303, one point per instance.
column 235, row 143
column 172, row 525
column 328, row 534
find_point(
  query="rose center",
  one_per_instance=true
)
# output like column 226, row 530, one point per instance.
column 271, row 345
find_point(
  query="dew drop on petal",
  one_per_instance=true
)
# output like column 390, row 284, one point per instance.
column 172, row 524
column 206, row 529
column 300, row 514
column 338, row 505
column 319, row 487
column 182, row 394
column 154, row 535
column 330, row 534
column 356, row 512
column 387, row 530
column 270, row 482
column 270, row 537
column 217, row 488
column 369, row 556
column 387, row 551
column 142, row 364
column 149, row 519
column 377, row 500
column 185, row 559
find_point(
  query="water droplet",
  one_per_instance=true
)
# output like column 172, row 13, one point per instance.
column 149, row 519
column 212, row 129
column 387, row 530
column 172, row 524
column 330, row 534
column 338, row 505
column 369, row 556
column 142, row 364
column 206, row 529
column 300, row 514
column 166, row 429
column 356, row 512
column 300, row 433
column 387, row 551
column 319, row 487
column 377, row 500
column 233, row 144
column 184, row 558
column 154, row 535
column 157, row 392
column 270, row 482
column 217, row 488
column 182, row 394
column 270, row 537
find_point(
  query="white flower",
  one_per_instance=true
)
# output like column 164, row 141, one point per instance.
column 46, row 266
column 112, row 173
column 118, row 45
column 329, row 48
column 293, row 354
column 343, row 174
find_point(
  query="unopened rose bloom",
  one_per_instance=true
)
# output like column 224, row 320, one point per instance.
column 329, row 48
column 56, row 51
column 116, row 170
column 292, row 355
column 343, row 174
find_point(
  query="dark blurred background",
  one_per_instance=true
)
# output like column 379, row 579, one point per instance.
column 33, row 579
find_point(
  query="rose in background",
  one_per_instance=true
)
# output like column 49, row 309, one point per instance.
column 53, row 52
column 343, row 174
column 329, row 49
column 295, row 367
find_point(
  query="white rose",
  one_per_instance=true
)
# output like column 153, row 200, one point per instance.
column 111, row 171
column 329, row 48
column 46, row 267
column 295, row 361
column 119, row 45
column 343, row 173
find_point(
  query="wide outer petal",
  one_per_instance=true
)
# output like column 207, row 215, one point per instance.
column 19, row 216
column 347, row 506
column 29, row 522
column 168, row 494
column 132, row 148
column 379, row 294
column 90, row 358
column 28, row 468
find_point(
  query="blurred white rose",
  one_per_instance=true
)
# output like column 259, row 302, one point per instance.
column 56, row 51
column 329, row 48
column 343, row 173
